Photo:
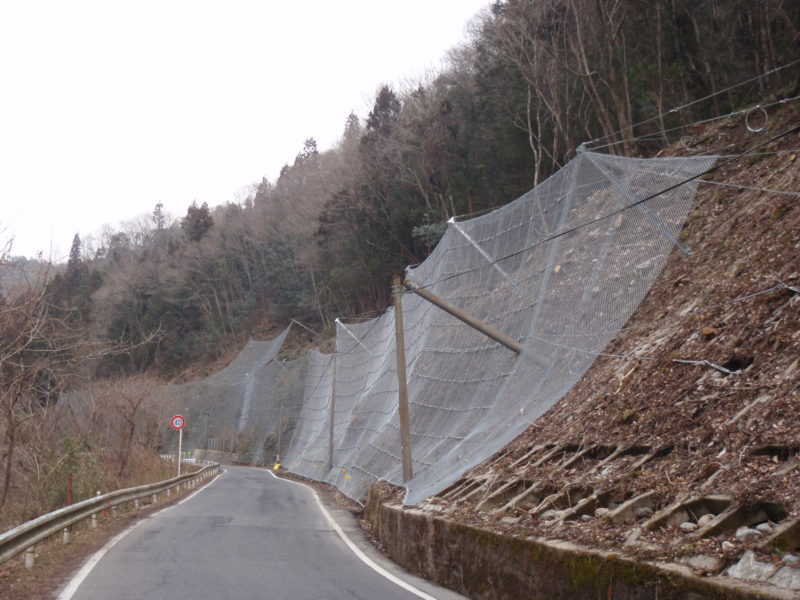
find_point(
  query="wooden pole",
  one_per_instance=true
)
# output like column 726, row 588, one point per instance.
column 481, row 326
column 402, row 378
column 331, row 415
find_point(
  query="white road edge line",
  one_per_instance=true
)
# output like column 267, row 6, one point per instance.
column 355, row 549
column 77, row 579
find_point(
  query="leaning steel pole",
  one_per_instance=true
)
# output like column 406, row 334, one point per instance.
column 483, row 327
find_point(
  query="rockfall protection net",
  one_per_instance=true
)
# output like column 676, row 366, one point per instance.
column 238, row 409
column 560, row 269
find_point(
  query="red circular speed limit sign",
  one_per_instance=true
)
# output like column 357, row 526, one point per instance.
column 177, row 422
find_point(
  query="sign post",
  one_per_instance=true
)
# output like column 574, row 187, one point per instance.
column 178, row 422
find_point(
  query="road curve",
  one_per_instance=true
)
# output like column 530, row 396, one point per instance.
column 246, row 535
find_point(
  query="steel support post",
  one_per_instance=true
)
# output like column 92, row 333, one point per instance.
column 331, row 414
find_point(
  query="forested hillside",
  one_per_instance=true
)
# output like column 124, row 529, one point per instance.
column 530, row 83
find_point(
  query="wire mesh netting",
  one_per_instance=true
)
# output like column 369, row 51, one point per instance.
column 241, row 408
column 560, row 269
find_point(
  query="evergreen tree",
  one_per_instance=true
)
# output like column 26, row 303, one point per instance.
column 308, row 153
column 74, row 261
column 75, row 269
column 159, row 218
column 197, row 221
column 352, row 128
column 384, row 112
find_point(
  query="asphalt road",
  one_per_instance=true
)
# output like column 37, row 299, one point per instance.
column 246, row 535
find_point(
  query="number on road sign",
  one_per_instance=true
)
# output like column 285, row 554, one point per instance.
column 177, row 422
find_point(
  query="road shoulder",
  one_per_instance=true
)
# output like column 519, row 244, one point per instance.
column 345, row 513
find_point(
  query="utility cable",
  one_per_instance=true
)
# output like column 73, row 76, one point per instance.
column 658, row 136
column 693, row 102
column 666, row 190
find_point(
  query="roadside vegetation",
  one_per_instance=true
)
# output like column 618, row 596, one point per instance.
column 65, row 434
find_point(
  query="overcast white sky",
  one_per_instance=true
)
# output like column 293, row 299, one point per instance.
column 108, row 107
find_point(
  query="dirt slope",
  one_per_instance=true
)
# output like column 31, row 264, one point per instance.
column 658, row 432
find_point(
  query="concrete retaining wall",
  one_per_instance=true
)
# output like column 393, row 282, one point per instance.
column 483, row 564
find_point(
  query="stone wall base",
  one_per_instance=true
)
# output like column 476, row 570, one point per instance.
column 482, row 564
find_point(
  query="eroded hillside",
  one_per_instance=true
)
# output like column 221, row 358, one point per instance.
column 694, row 461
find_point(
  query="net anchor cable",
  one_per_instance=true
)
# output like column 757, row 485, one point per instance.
column 351, row 334
column 306, row 327
column 495, row 264
column 706, row 363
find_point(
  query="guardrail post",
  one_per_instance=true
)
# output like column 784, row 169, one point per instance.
column 94, row 520
column 155, row 498
column 114, row 511
column 65, row 535
column 30, row 557
column 136, row 504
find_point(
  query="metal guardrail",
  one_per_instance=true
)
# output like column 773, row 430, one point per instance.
column 26, row 536
column 187, row 460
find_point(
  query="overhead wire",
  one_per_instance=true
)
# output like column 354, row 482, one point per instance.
column 693, row 102
column 638, row 202
column 658, row 136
